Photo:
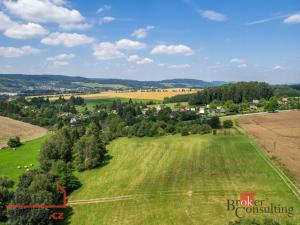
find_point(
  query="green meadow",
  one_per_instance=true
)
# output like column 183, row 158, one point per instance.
column 22, row 156
column 178, row 180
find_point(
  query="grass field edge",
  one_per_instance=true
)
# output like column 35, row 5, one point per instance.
column 261, row 152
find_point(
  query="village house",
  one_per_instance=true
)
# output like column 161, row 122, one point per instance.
column 201, row 110
column 284, row 100
column 65, row 114
column 172, row 114
column 253, row 108
column 220, row 109
column 73, row 121
column 144, row 111
column 184, row 109
column 255, row 101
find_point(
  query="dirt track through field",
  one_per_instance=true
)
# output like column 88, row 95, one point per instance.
column 279, row 134
column 12, row 128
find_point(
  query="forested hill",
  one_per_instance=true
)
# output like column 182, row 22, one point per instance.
column 235, row 92
column 36, row 83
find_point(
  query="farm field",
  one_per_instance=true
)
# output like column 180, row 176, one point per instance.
column 154, row 95
column 11, row 128
column 178, row 180
column 143, row 95
column 24, row 155
column 279, row 134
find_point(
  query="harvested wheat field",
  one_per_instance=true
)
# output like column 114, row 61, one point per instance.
column 158, row 94
column 11, row 128
column 155, row 95
column 279, row 134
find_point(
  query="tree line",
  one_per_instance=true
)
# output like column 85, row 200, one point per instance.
column 236, row 92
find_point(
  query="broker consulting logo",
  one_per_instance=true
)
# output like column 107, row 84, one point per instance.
column 248, row 205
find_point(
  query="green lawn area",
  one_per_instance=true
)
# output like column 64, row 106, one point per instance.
column 24, row 155
column 178, row 180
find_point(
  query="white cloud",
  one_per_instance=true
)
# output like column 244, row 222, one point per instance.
column 134, row 58
column 213, row 15
column 138, row 60
column 43, row 11
column 278, row 67
column 107, row 51
column 244, row 65
column 104, row 8
column 142, row 32
column 180, row 66
column 67, row 39
column 172, row 50
column 61, row 59
column 240, row 63
column 20, row 31
column 127, row 44
column 25, row 31
column 106, row 19
column 237, row 60
column 144, row 61
column 60, row 63
column 266, row 20
column 75, row 26
column 207, row 14
column 5, row 21
column 59, row 2
column 293, row 19
column 12, row 52
column 62, row 56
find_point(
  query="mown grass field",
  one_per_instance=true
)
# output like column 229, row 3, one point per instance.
column 177, row 180
column 24, row 155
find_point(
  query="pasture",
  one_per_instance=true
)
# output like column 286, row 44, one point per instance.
column 178, row 180
column 22, row 156
column 11, row 128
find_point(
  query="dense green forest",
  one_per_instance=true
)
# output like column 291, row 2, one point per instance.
column 237, row 92
column 287, row 90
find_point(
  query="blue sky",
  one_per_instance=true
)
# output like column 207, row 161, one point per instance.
column 228, row 40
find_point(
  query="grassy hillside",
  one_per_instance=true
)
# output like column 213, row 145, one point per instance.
column 177, row 180
column 23, row 156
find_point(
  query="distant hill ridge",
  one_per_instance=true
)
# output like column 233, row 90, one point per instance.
column 36, row 83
